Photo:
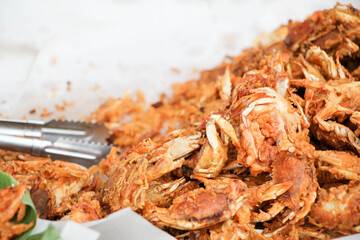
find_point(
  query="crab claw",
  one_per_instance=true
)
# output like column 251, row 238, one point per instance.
column 213, row 154
column 224, row 85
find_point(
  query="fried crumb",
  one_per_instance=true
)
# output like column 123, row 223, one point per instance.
column 68, row 86
column 53, row 90
column 53, row 61
column 68, row 104
column 60, row 107
column 175, row 70
column 45, row 113
column 195, row 70
column 96, row 87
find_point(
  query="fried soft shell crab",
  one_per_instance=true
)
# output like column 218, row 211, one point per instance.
column 264, row 147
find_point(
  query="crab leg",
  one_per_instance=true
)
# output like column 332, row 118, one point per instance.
column 341, row 164
column 213, row 154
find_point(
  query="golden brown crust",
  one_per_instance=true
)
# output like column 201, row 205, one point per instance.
column 10, row 206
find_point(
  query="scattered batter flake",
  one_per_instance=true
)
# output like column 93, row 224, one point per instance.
column 60, row 107
column 175, row 70
column 92, row 65
column 96, row 87
column 68, row 104
column 45, row 113
column 68, row 86
column 53, row 61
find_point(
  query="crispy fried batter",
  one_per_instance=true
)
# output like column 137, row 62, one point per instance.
column 52, row 184
column 338, row 208
column 85, row 209
column 10, row 205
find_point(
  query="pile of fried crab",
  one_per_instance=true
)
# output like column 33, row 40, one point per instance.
column 264, row 146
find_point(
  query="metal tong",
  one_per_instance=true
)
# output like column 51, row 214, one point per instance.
column 78, row 142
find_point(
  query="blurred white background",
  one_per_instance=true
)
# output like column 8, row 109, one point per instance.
column 106, row 47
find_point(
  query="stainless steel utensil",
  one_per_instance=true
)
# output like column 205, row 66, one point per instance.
column 79, row 142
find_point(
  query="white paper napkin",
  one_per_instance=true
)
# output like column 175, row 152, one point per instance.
column 123, row 224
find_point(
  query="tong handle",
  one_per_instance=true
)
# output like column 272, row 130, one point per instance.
column 27, row 145
column 65, row 150
column 58, row 140
column 23, row 128
column 50, row 131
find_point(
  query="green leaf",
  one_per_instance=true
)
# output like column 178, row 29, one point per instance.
column 7, row 180
column 49, row 234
